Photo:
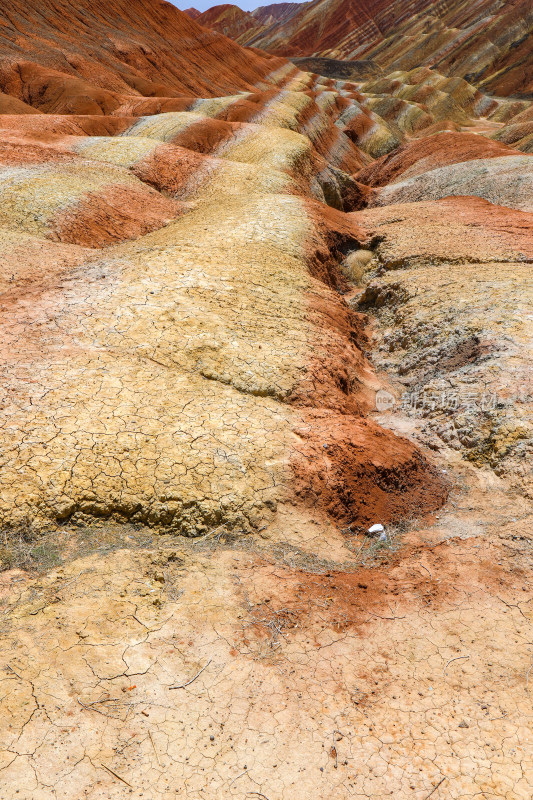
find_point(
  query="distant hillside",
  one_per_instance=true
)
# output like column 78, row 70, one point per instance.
column 490, row 42
column 276, row 12
column 231, row 21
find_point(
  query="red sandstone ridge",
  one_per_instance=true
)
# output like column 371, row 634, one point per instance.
column 248, row 27
column 489, row 43
column 93, row 57
column 421, row 155
column 229, row 20
column 276, row 12
column 193, row 13
column 321, row 26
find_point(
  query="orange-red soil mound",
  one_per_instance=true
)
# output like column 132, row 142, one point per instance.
column 113, row 215
column 429, row 153
column 360, row 472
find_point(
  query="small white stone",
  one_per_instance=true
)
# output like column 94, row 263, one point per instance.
column 376, row 529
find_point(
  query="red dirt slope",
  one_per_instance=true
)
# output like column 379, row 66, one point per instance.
column 425, row 154
column 87, row 57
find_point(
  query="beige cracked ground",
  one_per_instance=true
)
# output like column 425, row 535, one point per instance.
column 167, row 384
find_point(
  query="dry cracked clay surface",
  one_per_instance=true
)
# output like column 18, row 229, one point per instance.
column 199, row 308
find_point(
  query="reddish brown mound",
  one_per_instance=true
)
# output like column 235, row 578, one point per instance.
column 438, row 127
column 320, row 33
column 245, row 27
column 10, row 105
column 245, row 109
column 193, row 13
column 479, row 231
column 18, row 150
column 359, row 126
column 518, row 134
column 361, row 473
column 146, row 106
column 50, row 125
column 176, row 170
column 312, row 28
column 113, row 215
column 206, row 135
column 88, row 57
column 54, row 92
column 426, row 154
